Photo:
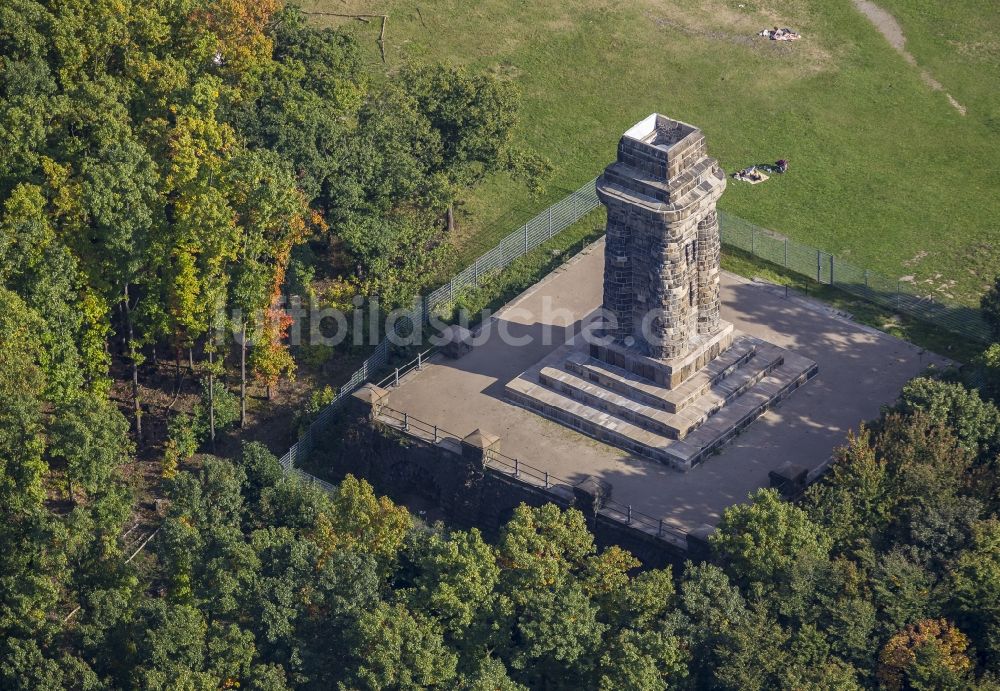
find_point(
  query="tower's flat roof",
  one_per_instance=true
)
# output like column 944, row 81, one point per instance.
column 659, row 131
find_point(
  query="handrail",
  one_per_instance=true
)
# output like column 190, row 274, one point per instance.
column 520, row 470
column 416, row 363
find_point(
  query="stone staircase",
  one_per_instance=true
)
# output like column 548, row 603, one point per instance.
column 679, row 426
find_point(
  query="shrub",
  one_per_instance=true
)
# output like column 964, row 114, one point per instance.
column 182, row 443
column 319, row 399
column 227, row 409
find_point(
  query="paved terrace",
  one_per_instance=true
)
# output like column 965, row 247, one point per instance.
column 860, row 369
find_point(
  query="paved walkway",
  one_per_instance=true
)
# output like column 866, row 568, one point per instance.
column 860, row 369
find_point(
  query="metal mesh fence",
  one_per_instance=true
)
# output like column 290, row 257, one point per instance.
column 900, row 296
column 538, row 230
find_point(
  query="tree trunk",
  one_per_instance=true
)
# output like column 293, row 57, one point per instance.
column 211, row 399
column 177, row 370
column 130, row 339
column 136, row 404
column 243, row 377
column 123, row 309
column 267, row 391
column 191, row 359
column 450, row 217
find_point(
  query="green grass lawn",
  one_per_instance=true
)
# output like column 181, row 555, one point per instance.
column 883, row 171
column 958, row 42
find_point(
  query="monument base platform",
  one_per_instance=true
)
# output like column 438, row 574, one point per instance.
column 673, row 372
column 679, row 424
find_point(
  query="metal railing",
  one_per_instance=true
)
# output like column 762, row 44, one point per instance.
column 418, row 428
column 531, row 475
column 398, row 373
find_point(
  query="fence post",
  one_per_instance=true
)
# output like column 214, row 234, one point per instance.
column 517, row 469
column 831, row 269
column 659, row 529
column 898, row 290
column 819, row 265
column 397, row 377
column 753, row 241
column 477, row 272
column 420, row 360
column 546, row 479
column 309, row 439
column 786, row 253
column 525, row 238
column 629, row 521
column 406, row 422
column 866, row 278
column 550, row 223
column 435, row 434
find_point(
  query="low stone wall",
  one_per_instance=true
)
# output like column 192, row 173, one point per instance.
column 454, row 475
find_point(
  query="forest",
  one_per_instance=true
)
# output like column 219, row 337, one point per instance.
column 885, row 575
column 170, row 170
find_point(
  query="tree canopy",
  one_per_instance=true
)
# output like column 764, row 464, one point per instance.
column 885, row 575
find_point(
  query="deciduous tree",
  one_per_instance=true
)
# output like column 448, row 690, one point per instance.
column 761, row 541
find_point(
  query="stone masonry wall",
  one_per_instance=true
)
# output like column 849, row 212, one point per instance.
column 618, row 271
column 469, row 494
column 708, row 258
column 661, row 276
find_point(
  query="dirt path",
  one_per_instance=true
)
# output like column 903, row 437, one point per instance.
column 893, row 33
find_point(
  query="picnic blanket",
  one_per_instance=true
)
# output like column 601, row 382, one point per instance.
column 751, row 175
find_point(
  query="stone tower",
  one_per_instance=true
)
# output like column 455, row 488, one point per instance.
column 666, row 377
column 661, row 271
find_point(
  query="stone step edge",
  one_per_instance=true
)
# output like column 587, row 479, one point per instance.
column 629, row 410
column 663, row 454
column 794, row 382
column 633, row 386
column 676, row 426
column 553, row 406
